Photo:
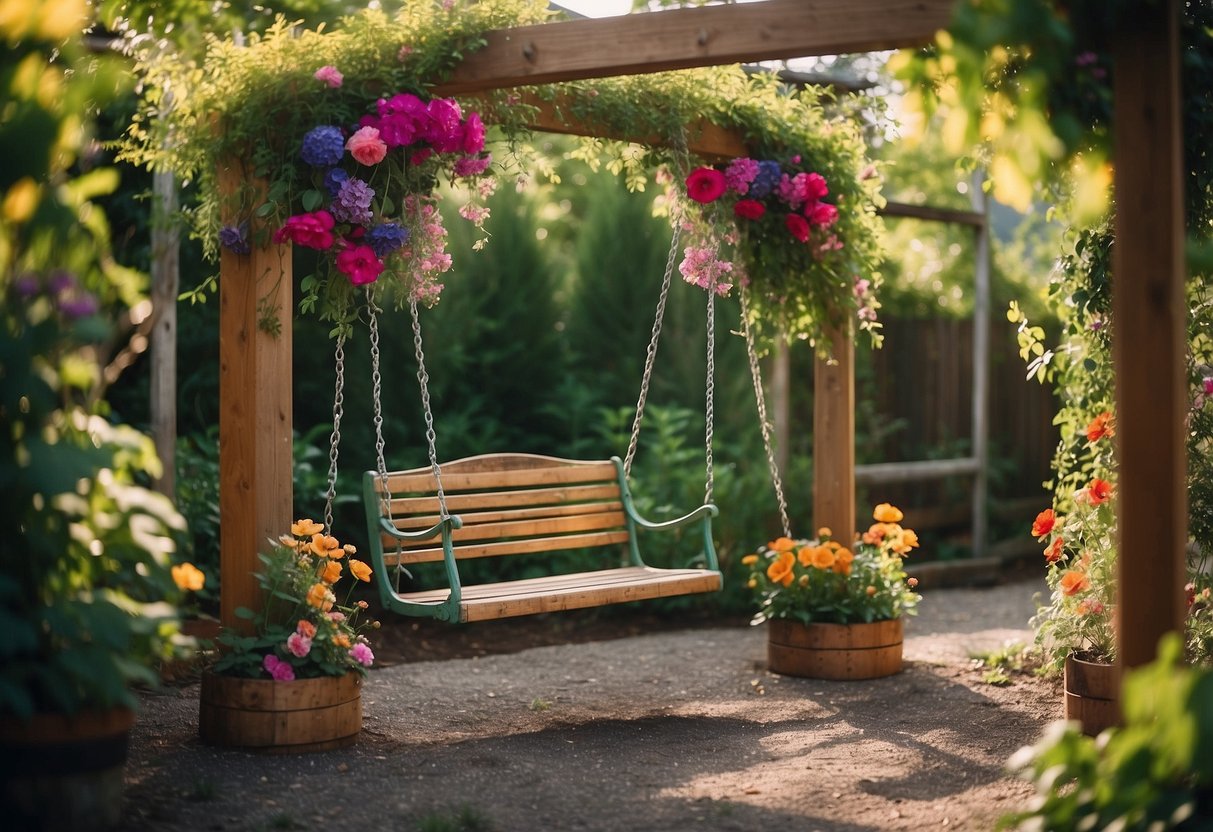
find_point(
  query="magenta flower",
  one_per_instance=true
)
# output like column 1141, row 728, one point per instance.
column 299, row 645
column 472, row 165
column 279, row 670
column 314, row 230
column 815, row 186
column 445, row 129
column 361, row 653
column 473, row 134
column 821, row 213
column 402, row 119
column 705, row 185
column 739, row 174
column 366, row 147
column 330, row 75
column 798, row 227
column 750, row 209
column 360, row 265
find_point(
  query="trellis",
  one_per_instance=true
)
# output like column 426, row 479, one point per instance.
column 1148, row 297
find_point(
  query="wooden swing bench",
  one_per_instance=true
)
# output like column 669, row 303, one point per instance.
column 515, row 504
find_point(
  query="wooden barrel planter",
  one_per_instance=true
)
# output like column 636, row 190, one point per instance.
column 834, row 651
column 1092, row 691
column 64, row 772
column 271, row 717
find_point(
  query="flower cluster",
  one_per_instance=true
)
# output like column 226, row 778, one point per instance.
column 371, row 203
column 303, row 631
column 822, row 580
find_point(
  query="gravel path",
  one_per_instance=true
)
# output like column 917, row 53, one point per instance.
column 669, row 731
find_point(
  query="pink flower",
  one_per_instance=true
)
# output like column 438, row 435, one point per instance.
column 402, row 118
column 739, row 174
column 1207, row 385
column 705, row 185
column 360, row 265
column 329, row 75
column 299, row 645
column 362, row 654
column 445, row 129
column 473, row 134
column 279, row 670
column 337, row 615
column 474, row 213
column 366, row 146
column 750, row 209
column 815, row 186
column 312, row 230
column 822, row 213
column 798, row 227
column 472, row 165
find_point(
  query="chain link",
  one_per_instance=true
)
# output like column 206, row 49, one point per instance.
column 335, row 436
column 760, row 398
column 709, row 416
column 423, row 379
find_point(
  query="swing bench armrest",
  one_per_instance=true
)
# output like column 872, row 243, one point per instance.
column 707, row 510
column 453, row 521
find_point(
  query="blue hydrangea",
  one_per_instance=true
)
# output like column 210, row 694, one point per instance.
column 235, row 238
column 386, row 238
column 766, row 180
column 333, row 179
column 323, row 146
column 353, row 202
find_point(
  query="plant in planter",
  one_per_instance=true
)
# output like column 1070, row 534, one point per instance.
column 828, row 606
column 294, row 682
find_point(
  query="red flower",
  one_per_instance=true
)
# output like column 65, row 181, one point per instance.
column 1053, row 552
column 815, row 187
column 1044, row 522
column 750, row 209
column 312, row 230
column 1099, row 491
column 821, row 213
column 705, row 185
column 360, row 265
column 1101, row 426
column 798, row 226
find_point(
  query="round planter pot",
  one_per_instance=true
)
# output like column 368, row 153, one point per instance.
column 1092, row 691
column 834, row 651
column 280, row 717
column 60, row 772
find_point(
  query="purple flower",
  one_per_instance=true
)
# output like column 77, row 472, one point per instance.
column 79, row 305
column 766, row 179
column 60, row 282
column 739, row 174
column 353, row 202
column 323, row 146
column 26, row 285
column 333, row 179
column 234, row 238
column 386, row 238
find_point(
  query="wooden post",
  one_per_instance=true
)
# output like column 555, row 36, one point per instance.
column 255, row 466
column 834, row 437
column 166, row 279
column 781, row 404
column 1149, row 334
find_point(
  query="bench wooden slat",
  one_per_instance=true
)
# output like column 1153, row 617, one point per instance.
column 564, row 592
column 544, row 527
column 512, row 547
column 457, row 503
column 453, row 481
column 473, row 518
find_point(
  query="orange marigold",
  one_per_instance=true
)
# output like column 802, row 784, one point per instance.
column 1101, row 426
column 1074, row 582
column 360, row 570
column 1044, row 522
column 887, row 513
column 780, row 571
column 782, row 544
column 321, row 597
column 331, row 573
column 823, row 558
column 326, row 546
column 342, row 640
column 306, row 628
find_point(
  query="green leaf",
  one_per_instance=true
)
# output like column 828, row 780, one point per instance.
column 312, row 200
column 245, row 613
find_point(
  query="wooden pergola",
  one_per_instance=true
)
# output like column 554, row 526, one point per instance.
column 1148, row 299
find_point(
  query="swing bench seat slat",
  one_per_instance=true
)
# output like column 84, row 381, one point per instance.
column 521, row 504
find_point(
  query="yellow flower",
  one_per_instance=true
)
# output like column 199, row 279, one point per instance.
column 751, row 583
column 749, row 560
column 360, row 570
column 188, row 577
column 321, row 597
column 326, row 546
column 782, row 544
column 886, row 513
column 331, row 572
column 780, row 571
column 305, row 528
column 823, row 558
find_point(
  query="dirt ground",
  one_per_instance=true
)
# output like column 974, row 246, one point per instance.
column 659, row 729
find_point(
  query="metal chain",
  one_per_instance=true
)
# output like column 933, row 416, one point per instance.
column 423, row 379
column 335, row 437
column 376, row 393
column 760, row 398
column 709, row 416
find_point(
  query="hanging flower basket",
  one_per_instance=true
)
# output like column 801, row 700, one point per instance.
column 834, row 651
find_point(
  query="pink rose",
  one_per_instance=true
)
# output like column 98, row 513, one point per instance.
column 445, row 129
column 362, row 654
column 279, row 670
column 366, row 147
column 402, row 119
column 473, row 134
column 705, row 185
column 798, row 226
column 329, row 75
column 815, row 186
column 360, row 265
column 750, row 209
column 822, row 213
column 299, row 645
column 314, row 230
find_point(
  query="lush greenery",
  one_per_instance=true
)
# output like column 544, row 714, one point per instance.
column 87, row 598
column 1153, row 773
column 822, row 581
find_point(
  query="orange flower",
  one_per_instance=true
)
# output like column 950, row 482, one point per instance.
column 1074, row 582
column 331, row 572
column 360, row 570
column 305, row 528
column 1101, row 426
column 288, row 541
column 780, row 571
column 875, row 533
column 886, row 513
column 342, row 640
column 749, row 560
column 871, row 590
column 1090, row 606
column 321, row 597
column 188, row 577
column 911, row 582
column 306, row 628
column 823, row 558
column 907, row 540
column 1044, row 522
column 1053, row 553
column 1099, row 491
column 782, row 544
column 824, row 531
column 326, row 546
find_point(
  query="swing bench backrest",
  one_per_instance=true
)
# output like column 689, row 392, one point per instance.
column 521, row 504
